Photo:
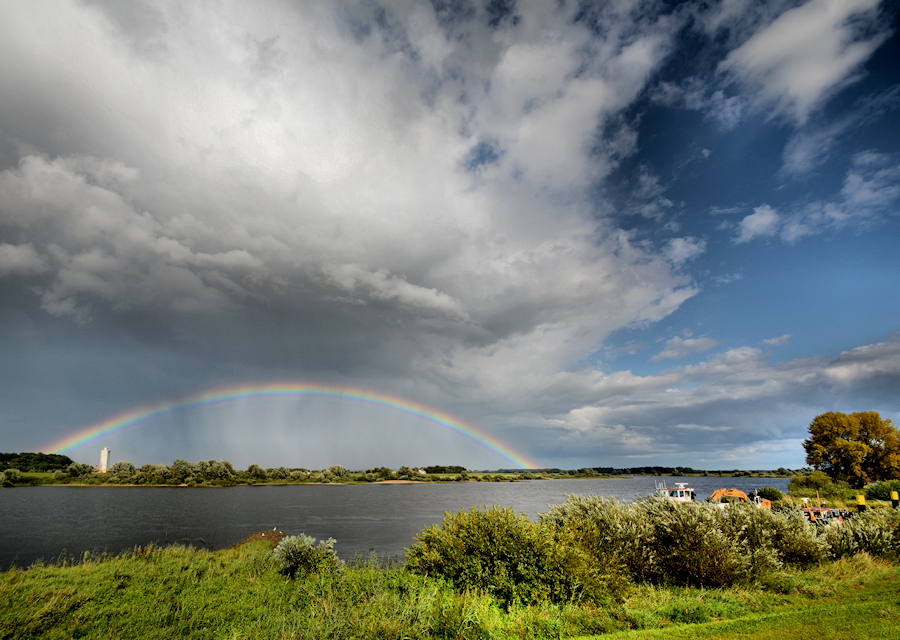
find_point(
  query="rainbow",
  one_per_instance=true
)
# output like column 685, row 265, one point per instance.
column 144, row 414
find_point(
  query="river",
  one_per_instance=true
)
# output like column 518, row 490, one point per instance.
column 47, row 521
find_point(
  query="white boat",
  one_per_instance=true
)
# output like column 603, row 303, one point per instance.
column 681, row 493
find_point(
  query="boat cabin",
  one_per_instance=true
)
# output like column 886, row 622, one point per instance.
column 681, row 492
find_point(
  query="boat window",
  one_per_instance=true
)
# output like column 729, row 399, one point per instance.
column 681, row 494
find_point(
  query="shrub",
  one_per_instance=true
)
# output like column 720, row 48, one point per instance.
column 256, row 471
column 280, row 473
column 795, row 538
column 770, row 493
column 79, row 469
column 300, row 554
column 122, row 468
column 819, row 482
column 10, row 477
column 610, row 531
column 882, row 490
column 815, row 480
column 876, row 532
column 691, row 545
column 508, row 556
column 664, row 542
column 656, row 539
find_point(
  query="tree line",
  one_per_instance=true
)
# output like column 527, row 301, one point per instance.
column 212, row 473
column 39, row 462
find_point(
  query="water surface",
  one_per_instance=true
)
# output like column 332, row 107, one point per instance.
column 44, row 522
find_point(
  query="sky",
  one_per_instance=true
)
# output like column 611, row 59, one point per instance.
column 619, row 233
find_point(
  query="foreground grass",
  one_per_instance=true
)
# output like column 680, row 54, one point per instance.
column 849, row 599
column 238, row 593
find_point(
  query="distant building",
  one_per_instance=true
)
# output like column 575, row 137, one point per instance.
column 104, row 460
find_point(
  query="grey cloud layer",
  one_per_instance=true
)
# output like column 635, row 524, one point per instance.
column 404, row 194
column 234, row 163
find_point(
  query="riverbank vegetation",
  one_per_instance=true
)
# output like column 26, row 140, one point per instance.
column 587, row 567
column 46, row 469
column 218, row 473
column 37, row 462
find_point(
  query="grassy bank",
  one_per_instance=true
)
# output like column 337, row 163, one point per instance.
column 239, row 593
column 589, row 567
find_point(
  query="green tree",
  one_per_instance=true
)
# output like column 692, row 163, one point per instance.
column 180, row 470
column 857, row 448
column 218, row 470
column 77, row 469
column 11, row 476
column 337, row 470
column 383, row 473
column 122, row 468
column 256, row 471
column 280, row 473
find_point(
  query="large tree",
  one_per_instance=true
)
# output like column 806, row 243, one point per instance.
column 859, row 448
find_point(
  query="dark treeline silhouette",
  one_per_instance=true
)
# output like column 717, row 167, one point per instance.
column 28, row 461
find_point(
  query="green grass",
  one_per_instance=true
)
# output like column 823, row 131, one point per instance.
column 175, row 592
column 848, row 599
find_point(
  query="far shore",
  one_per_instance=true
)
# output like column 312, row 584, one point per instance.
column 248, row 484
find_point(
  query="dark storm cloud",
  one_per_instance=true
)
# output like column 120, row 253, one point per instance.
column 412, row 196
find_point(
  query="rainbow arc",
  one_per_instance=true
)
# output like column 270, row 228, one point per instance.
column 142, row 415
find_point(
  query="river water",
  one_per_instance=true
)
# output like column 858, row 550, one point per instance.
column 45, row 522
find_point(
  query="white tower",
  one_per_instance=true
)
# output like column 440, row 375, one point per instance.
column 104, row 460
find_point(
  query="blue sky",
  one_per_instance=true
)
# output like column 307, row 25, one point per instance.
column 607, row 234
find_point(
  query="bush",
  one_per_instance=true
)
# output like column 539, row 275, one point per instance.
column 770, row 493
column 122, row 468
column 300, row 554
column 610, row 531
column 508, row 556
column 876, row 532
column 882, row 490
column 815, row 480
column 660, row 541
column 819, row 483
column 795, row 538
column 280, row 473
column 691, row 545
column 77, row 469
column 10, row 477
